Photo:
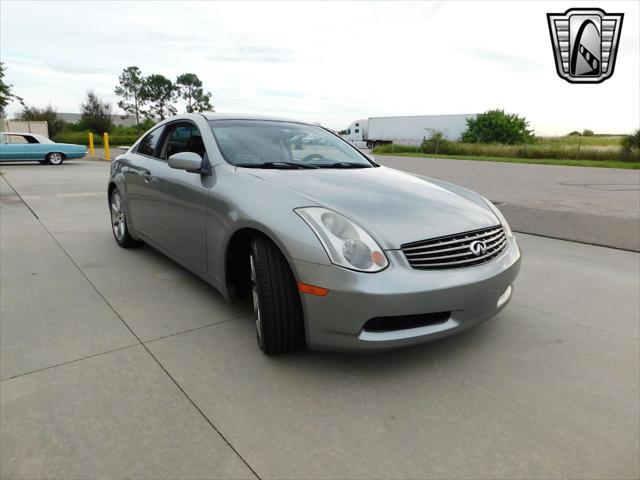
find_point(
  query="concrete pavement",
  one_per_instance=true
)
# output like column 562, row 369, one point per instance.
column 600, row 206
column 119, row 363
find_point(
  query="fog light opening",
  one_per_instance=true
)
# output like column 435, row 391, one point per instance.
column 502, row 299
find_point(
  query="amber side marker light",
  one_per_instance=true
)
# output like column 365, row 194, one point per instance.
column 312, row 289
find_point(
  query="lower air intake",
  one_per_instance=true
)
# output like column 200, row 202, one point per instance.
column 404, row 322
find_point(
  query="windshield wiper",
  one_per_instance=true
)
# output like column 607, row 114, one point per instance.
column 282, row 165
column 341, row 165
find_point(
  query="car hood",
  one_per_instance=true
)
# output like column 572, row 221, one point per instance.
column 394, row 206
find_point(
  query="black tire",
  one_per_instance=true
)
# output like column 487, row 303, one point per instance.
column 119, row 226
column 55, row 158
column 277, row 307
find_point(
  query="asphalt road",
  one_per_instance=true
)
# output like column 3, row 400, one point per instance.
column 119, row 363
column 599, row 206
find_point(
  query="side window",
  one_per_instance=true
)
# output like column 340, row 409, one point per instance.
column 148, row 144
column 17, row 139
column 183, row 137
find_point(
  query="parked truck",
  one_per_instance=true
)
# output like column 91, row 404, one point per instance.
column 407, row 130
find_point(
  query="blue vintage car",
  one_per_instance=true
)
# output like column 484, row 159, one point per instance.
column 28, row 147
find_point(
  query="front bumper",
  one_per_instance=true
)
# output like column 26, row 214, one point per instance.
column 336, row 321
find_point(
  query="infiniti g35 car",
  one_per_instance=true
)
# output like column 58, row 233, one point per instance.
column 335, row 250
column 29, row 147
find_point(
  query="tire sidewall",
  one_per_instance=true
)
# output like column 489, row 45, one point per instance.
column 281, row 315
column 260, row 336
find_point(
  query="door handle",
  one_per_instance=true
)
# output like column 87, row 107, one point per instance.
column 147, row 177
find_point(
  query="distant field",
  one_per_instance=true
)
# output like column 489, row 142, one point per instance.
column 573, row 140
column 565, row 150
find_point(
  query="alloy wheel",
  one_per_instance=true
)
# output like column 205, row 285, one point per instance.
column 256, row 300
column 55, row 158
column 117, row 216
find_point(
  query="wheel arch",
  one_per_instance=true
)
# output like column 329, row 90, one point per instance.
column 112, row 185
column 110, row 188
column 236, row 258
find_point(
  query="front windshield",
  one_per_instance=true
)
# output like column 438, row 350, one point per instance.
column 271, row 144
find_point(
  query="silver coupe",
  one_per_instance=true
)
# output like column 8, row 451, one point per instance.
column 336, row 251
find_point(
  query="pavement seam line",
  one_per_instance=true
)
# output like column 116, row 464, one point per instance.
column 20, row 197
column 193, row 403
column 582, row 242
column 69, row 362
column 197, row 328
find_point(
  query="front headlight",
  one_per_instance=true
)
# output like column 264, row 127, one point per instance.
column 503, row 221
column 345, row 242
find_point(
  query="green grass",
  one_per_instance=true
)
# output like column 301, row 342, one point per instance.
column 574, row 140
column 537, row 161
column 535, row 151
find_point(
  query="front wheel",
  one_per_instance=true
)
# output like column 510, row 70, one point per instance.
column 119, row 221
column 55, row 158
column 276, row 301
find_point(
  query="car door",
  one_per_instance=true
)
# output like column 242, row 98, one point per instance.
column 14, row 147
column 136, row 176
column 176, row 200
column 34, row 150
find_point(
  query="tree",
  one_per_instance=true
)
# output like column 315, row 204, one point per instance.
column 631, row 146
column 96, row 114
column 587, row 133
column 190, row 88
column 47, row 114
column 161, row 94
column 632, row 141
column 6, row 92
column 497, row 126
column 131, row 90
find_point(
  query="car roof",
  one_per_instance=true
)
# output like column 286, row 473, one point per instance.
column 248, row 116
column 37, row 136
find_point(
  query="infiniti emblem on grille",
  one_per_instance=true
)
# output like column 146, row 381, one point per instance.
column 478, row 247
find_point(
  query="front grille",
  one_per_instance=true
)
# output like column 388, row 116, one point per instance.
column 454, row 251
column 403, row 322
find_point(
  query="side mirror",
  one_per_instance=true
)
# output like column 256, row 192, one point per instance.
column 189, row 161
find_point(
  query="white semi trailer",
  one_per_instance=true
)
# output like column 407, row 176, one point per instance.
column 409, row 130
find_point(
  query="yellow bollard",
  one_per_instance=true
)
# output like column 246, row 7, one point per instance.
column 92, row 151
column 105, row 142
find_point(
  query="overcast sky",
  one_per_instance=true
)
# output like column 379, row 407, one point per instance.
column 329, row 62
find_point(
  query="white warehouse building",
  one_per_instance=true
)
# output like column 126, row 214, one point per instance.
column 405, row 130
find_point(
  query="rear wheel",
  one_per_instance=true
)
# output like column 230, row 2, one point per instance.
column 119, row 221
column 276, row 302
column 55, row 158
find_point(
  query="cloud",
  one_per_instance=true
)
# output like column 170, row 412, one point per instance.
column 242, row 52
column 506, row 59
column 330, row 62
